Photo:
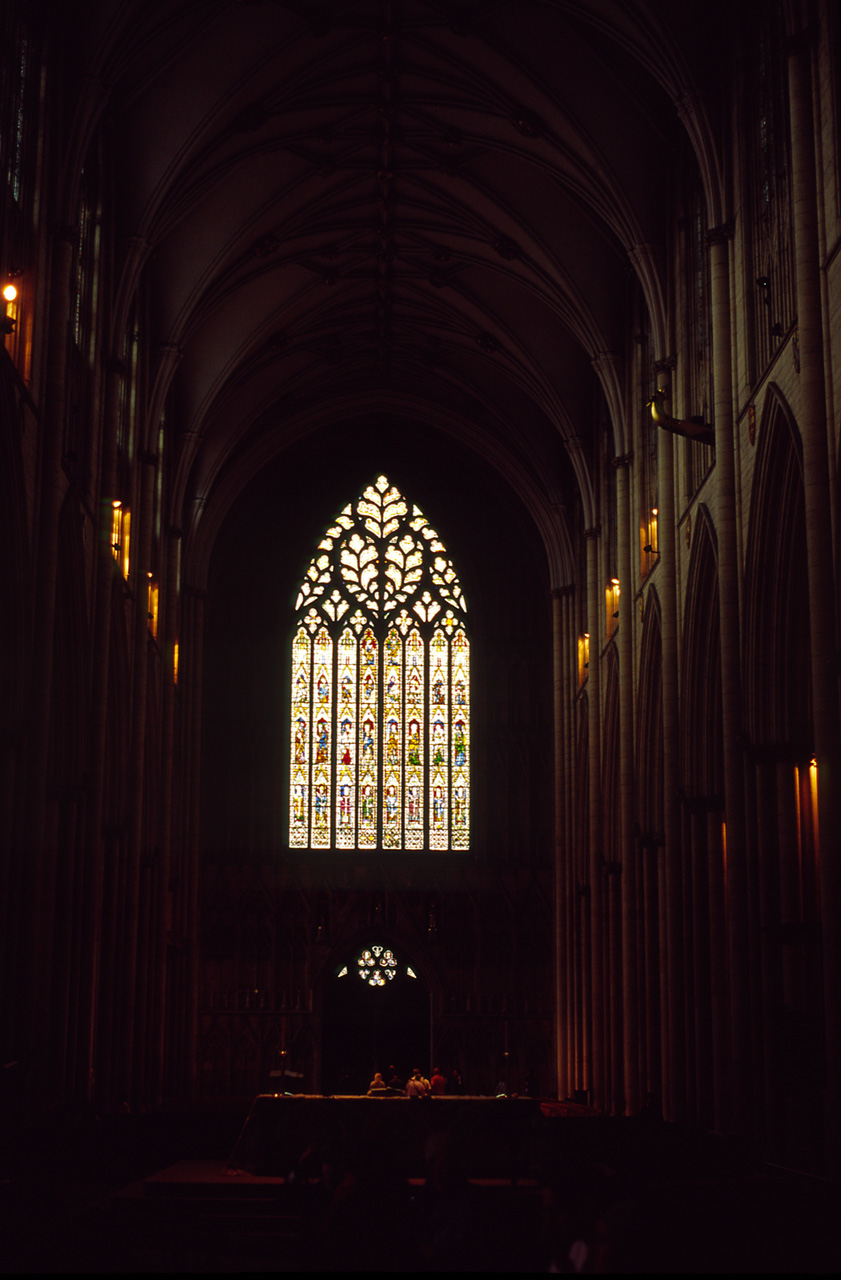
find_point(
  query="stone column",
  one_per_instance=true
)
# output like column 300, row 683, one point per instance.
column 37, row 967
column 674, row 1031
column 562, row 848
column 819, row 561
column 192, row 831
column 700, row 872
column 107, row 572
column 135, row 944
column 770, row 956
column 570, row 637
column 735, row 878
column 624, row 644
column 163, row 908
column 597, row 1065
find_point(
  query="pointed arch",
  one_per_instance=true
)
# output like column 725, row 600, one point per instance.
column 778, row 700
column 380, row 686
column 701, row 724
column 374, row 996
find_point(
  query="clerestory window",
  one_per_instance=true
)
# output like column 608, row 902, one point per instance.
column 380, row 723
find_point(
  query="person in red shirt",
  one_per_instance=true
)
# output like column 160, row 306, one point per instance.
column 438, row 1083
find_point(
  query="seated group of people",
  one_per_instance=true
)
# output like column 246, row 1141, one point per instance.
column 417, row 1086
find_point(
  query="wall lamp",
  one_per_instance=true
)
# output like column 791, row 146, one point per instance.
column 7, row 322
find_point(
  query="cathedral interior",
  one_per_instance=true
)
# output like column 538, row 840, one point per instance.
column 558, row 282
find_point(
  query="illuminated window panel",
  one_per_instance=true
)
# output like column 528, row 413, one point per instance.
column 322, row 727
column 461, row 740
column 368, row 740
column 392, row 804
column 376, row 966
column 380, row 717
column 439, row 741
column 153, row 597
column 299, row 769
column 346, row 740
column 415, row 740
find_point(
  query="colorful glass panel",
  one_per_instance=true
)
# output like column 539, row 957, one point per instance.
column 380, row 734
column 346, row 747
column 461, row 740
column 299, row 746
column 439, row 741
column 322, row 728
column 392, row 742
column 377, row 966
column 415, row 735
column 369, row 680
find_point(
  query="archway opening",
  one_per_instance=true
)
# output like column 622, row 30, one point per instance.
column 375, row 1017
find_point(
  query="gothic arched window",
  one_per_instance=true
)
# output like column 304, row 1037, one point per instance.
column 380, row 723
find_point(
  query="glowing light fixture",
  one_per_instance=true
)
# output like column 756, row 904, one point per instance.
column 9, row 318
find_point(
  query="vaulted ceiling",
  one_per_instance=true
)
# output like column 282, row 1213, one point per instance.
column 422, row 208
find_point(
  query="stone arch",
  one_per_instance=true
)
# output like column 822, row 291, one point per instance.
column 777, row 687
column 701, row 723
column 363, row 1029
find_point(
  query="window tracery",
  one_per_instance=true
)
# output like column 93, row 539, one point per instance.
column 380, row 723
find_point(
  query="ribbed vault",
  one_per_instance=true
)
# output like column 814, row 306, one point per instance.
column 449, row 203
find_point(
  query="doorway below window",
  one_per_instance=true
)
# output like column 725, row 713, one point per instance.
column 370, row 1025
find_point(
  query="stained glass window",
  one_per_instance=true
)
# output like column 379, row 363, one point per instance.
column 377, row 966
column 380, row 708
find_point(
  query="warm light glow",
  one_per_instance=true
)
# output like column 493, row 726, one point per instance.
column 10, row 293
column 126, row 526
column 175, row 663
column 152, row 610
column 116, row 529
column 813, row 795
column 611, row 605
column 648, row 541
column 583, row 656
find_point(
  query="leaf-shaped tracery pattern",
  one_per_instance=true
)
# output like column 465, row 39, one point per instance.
column 382, row 585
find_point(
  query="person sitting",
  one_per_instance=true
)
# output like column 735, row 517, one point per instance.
column 395, row 1083
column 378, row 1087
column 438, row 1083
column 418, row 1086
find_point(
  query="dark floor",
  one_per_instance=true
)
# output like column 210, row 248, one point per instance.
column 155, row 1193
